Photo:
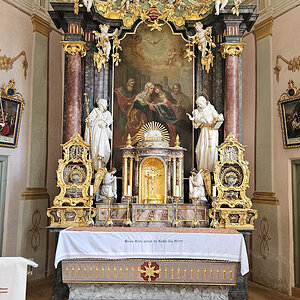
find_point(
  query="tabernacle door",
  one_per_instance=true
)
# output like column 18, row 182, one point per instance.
column 152, row 183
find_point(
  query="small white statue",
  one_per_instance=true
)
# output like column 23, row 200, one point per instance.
column 200, row 37
column 103, row 39
column 209, row 120
column 98, row 133
column 88, row 4
column 109, row 186
column 196, row 185
column 218, row 4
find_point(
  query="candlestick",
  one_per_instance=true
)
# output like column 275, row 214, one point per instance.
column 110, row 192
column 177, row 191
column 129, row 190
column 214, row 191
column 91, row 190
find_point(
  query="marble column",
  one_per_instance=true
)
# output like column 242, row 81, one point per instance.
column 231, row 53
column 75, row 51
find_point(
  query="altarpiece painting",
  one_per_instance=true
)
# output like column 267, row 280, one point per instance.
column 153, row 82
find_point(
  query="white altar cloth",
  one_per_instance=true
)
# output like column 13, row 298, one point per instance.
column 13, row 277
column 154, row 243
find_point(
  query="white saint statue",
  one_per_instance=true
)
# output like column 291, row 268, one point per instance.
column 109, row 186
column 196, row 185
column 219, row 3
column 98, row 133
column 209, row 120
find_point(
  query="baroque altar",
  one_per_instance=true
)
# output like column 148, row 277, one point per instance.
column 136, row 168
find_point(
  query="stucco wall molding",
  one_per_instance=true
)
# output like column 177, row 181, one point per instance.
column 35, row 193
column 268, row 198
column 40, row 25
column 264, row 28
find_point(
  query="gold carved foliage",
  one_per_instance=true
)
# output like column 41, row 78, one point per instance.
column 6, row 63
column 73, row 48
column 234, row 49
column 292, row 65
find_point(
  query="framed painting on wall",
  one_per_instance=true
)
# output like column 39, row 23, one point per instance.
column 153, row 82
column 11, row 108
column 289, row 111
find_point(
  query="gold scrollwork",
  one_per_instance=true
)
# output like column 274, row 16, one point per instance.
column 232, row 208
column 73, row 205
column 73, row 48
column 6, row 63
column 293, row 65
column 232, row 49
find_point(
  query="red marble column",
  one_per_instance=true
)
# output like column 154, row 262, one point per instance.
column 231, row 96
column 73, row 109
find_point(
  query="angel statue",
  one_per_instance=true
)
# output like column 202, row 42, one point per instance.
column 218, row 4
column 209, row 120
column 103, row 39
column 88, row 4
column 109, row 186
column 200, row 37
column 98, row 133
column 196, row 184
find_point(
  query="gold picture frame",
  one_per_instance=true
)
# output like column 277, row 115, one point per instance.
column 289, row 113
column 11, row 109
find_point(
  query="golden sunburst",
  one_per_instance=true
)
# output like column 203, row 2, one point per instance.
column 153, row 131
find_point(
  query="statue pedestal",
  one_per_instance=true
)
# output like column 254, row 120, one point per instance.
column 152, row 215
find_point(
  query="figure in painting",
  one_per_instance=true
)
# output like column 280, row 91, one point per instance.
column 98, row 133
column 109, row 186
column 196, row 185
column 219, row 3
column 209, row 120
column 183, row 105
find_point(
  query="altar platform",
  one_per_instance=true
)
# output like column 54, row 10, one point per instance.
column 139, row 259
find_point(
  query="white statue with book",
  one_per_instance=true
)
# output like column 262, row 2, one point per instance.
column 209, row 121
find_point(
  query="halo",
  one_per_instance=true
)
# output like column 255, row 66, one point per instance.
column 202, row 94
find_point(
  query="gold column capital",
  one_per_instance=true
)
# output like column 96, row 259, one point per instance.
column 40, row 25
column 75, row 47
column 264, row 28
column 232, row 49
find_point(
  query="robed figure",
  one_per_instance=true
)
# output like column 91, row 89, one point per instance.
column 98, row 133
column 209, row 120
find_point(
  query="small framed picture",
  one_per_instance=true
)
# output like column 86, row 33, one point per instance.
column 11, row 108
column 289, row 111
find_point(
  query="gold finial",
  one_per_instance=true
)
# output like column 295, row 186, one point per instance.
column 128, row 143
column 177, row 142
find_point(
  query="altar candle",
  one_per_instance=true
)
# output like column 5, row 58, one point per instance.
column 129, row 190
column 91, row 190
column 177, row 191
column 110, row 192
column 195, row 193
column 214, row 191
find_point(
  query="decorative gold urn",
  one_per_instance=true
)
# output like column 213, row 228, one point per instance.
column 73, row 205
column 232, row 208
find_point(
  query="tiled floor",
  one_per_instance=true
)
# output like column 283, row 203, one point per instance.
column 42, row 290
